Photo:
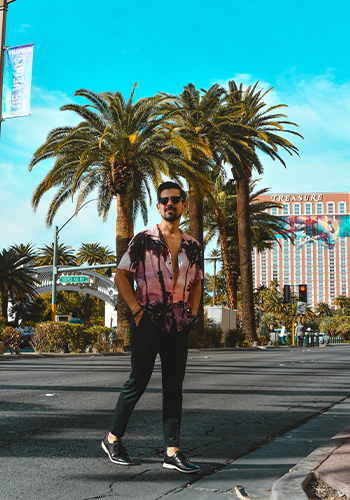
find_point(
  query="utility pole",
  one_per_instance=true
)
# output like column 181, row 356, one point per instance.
column 3, row 13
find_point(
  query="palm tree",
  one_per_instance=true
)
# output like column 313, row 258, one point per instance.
column 16, row 278
column 220, row 288
column 199, row 119
column 28, row 249
column 264, row 227
column 118, row 149
column 341, row 301
column 322, row 309
column 65, row 255
column 214, row 255
column 93, row 253
column 263, row 128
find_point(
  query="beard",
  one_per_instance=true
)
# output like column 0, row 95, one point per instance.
column 171, row 216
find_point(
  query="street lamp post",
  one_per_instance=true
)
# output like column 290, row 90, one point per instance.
column 54, row 263
column 3, row 13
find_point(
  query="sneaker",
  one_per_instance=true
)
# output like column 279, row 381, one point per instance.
column 180, row 463
column 116, row 452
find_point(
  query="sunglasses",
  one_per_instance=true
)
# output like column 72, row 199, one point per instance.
column 174, row 199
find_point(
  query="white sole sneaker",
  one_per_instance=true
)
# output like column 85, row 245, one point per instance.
column 173, row 467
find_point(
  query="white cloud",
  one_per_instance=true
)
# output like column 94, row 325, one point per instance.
column 318, row 104
column 22, row 28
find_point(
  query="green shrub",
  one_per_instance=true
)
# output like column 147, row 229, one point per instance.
column 193, row 341
column 76, row 336
column 103, row 338
column 212, row 333
column 56, row 337
column 47, row 338
column 11, row 338
column 236, row 337
column 70, row 337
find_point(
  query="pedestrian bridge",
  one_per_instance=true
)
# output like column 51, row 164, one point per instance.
column 98, row 285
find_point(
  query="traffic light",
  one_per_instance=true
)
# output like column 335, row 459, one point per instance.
column 286, row 294
column 302, row 293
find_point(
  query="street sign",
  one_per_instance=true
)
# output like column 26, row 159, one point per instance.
column 74, row 279
column 301, row 307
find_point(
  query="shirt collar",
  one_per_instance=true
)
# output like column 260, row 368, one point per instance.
column 154, row 231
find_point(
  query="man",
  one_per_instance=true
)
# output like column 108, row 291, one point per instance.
column 300, row 333
column 166, row 264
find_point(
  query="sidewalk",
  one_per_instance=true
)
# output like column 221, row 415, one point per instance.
column 279, row 469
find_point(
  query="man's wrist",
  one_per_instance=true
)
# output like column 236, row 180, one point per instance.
column 136, row 312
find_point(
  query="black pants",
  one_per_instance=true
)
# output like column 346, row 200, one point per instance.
column 146, row 341
column 300, row 341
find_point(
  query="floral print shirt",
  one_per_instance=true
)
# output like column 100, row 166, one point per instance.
column 149, row 259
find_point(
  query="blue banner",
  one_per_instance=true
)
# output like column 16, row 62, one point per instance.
column 17, row 81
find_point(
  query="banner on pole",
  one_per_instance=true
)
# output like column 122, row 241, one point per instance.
column 17, row 81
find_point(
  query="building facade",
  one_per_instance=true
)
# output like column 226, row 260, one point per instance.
column 318, row 254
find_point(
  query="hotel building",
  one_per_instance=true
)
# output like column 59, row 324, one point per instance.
column 320, row 255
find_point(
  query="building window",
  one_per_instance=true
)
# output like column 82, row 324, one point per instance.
column 319, row 208
column 330, row 208
column 342, row 206
column 286, row 209
column 296, row 208
column 307, row 208
column 274, row 211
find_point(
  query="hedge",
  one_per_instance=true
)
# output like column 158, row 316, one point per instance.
column 70, row 337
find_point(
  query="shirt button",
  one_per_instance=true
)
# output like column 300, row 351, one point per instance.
column 171, row 277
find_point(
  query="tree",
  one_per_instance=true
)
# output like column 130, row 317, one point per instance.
column 65, row 255
column 322, row 309
column 265, row 227
column 220, row 288
column 93, row 253
column 118, row 149
column 16, row 278
column 28, row 249
column 341, row 301
column 263, row 128
column 196, row 117
column 215, row 255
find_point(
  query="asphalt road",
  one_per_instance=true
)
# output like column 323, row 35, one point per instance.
column 55, row 410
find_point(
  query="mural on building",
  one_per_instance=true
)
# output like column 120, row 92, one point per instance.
column 327, row 229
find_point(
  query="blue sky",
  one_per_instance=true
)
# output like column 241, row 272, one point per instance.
column 299, row 48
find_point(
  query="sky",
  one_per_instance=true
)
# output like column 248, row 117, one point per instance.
column 301, row 49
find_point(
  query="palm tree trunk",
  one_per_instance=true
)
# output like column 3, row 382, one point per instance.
column 196, row 231
column 229, row 277
column 4, row 305
column 123, row 237
column 235, row 272
column 245, row 257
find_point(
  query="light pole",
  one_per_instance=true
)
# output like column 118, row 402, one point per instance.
column 54, row 263
column 3, row 13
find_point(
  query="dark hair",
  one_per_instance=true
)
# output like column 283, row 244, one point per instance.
column 170, row 185
column 74, row 314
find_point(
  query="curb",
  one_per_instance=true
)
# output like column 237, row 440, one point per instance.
column 292, row 484
column 61, row 354
column 97, row 354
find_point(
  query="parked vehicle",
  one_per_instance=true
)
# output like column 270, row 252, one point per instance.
column 323, row 338
column 26, row 336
